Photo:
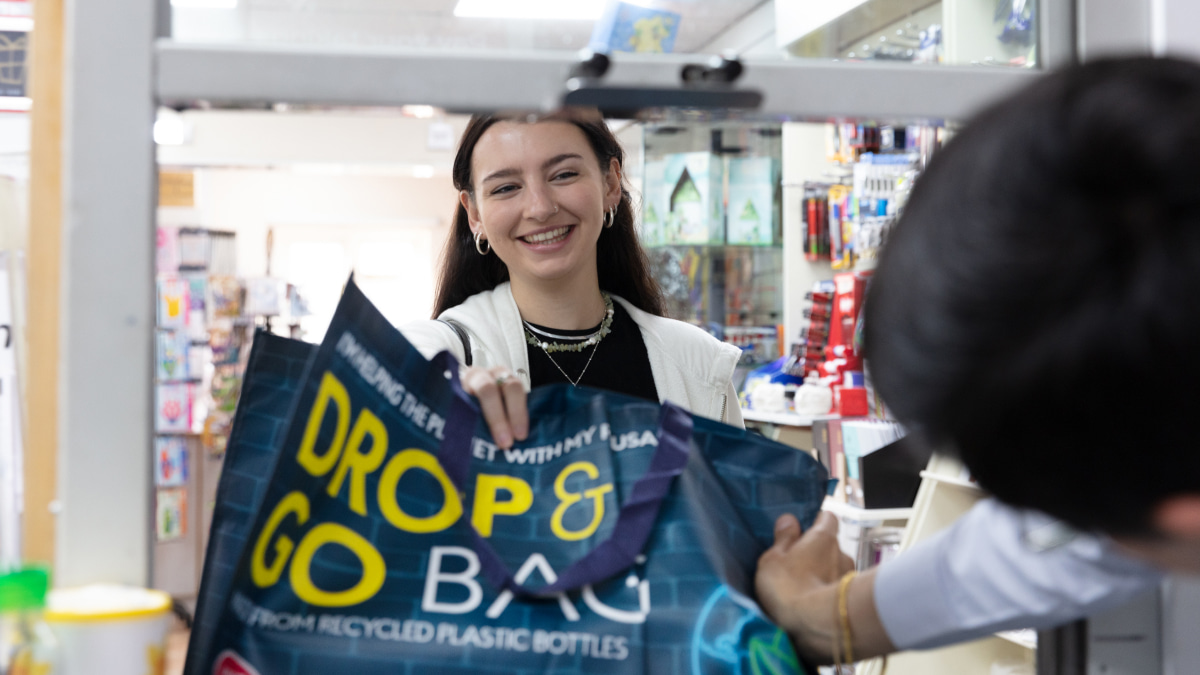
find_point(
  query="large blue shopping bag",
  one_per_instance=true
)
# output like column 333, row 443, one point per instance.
column 391, row 535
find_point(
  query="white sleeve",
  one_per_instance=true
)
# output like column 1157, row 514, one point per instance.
column 996, row 569
column 431, row 337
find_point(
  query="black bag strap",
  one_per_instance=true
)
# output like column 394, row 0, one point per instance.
column 463, row 336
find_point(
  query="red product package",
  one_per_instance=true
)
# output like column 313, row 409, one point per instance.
column 850, row 401
column 847, row 303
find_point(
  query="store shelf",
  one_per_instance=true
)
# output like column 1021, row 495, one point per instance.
column 848, row 512
column 1026, row 637
column 951, row 480
column 786, row 419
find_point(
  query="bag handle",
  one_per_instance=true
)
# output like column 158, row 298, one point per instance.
column 463, row 337
column 635, row 520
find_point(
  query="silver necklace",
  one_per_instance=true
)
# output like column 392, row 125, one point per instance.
column 555, row 336
column 577, row 344
column 576, row 381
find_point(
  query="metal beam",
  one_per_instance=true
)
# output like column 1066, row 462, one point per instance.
column 1114, row 28
column 107, row 298
column 1057, row 42
column 496, row 80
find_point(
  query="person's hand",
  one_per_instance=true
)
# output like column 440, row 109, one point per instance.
column 797, row 583
column 502, row 399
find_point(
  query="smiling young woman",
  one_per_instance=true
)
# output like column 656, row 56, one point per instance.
column 544, row 273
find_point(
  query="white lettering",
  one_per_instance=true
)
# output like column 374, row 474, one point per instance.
column 435, row 576
column 537, row 562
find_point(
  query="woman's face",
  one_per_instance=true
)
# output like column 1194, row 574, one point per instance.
column 540, row 198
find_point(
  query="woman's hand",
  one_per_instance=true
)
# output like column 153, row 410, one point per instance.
column 502, row 399
column 797, row 586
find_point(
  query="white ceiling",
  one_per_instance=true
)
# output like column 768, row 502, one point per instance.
column 428, row 23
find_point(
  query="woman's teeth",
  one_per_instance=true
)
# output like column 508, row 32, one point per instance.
column 549, row 237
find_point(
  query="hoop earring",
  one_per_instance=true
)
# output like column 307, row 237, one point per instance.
column 480, row 243
column 610, row 218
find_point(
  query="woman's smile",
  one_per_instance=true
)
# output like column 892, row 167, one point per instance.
column 548, row 238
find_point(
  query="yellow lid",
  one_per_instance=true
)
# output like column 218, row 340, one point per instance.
column 105, row 602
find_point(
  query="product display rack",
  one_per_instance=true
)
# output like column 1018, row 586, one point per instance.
column 712, row 225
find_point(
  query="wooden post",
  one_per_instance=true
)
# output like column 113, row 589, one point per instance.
column 45, row 256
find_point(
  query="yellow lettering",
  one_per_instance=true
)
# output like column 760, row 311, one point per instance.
column 486, row 507
column 357, row 464
column 390, row 479
column 567, row 499
column 373, row 573
column 331, row 390
column 266, row 575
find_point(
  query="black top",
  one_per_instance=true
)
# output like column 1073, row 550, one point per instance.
column 620, row 363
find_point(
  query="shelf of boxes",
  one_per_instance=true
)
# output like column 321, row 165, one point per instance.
column 945, row 494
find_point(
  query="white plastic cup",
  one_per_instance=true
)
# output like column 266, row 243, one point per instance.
column 110, row 630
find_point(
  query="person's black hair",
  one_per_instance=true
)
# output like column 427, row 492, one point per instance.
column 621, row 263
column 1038, row 305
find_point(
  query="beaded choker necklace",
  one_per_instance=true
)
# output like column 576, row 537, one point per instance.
column 543, row 339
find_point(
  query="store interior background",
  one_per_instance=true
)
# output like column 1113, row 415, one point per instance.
column 336, row 189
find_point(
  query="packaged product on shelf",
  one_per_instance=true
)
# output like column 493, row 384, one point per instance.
column 173, row 408
column 27, row 645
column 193, row 248
column 170, row 461
column 841, row 229
column 859, row 438
column 815, row 214
column 656, row 204
column 197, row 301
column 695, row 183
column 167, row 251
column 628, row 27
column 813, row 397
column 199, row 355
column 753, row 208
column 172, row 302
column 170, row 514
column 851, row 290
column 225, row 296
column 172, row 352
column 265, row 296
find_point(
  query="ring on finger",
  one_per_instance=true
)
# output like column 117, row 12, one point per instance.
column 502, row 378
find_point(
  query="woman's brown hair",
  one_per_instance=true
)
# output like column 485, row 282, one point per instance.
column 622, row 265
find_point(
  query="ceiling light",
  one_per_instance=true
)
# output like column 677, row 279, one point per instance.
column 418, row 111
column 206, row 4
column 170, row 128
column 560, row 10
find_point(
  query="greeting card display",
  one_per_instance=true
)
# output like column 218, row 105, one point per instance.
column 173, row 303
column 172, row 362
column 170, row 514
column 170, row 461
column 173, row 408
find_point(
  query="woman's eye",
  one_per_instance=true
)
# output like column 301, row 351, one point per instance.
column 563, row 175
column 503, row 189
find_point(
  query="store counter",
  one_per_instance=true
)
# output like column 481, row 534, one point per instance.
column 785, row 427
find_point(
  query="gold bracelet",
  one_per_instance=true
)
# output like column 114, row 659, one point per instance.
column 836, row 641
column 844, row 615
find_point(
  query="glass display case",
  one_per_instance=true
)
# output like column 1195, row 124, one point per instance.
column 713, row 227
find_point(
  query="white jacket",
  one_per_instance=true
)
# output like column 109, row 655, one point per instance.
column 690, row 367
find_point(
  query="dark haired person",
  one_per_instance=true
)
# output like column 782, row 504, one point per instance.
column 1035, row 310
column 544, row 271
